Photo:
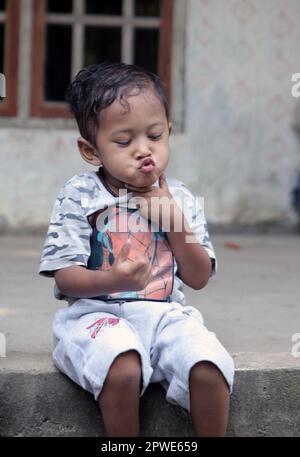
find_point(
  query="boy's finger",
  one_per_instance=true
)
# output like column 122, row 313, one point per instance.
column 148, row 261
column 123, row 254
column 145, row 257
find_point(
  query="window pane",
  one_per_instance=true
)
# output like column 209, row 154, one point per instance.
column 59, row 6
column 147, row 7
column 2, row 5
column 102, row 43
column 1, row 48
column 103, row 7
column 58, row 61
column 146, row 43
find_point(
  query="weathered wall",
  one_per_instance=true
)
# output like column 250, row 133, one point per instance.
column 35, row 164
column 243, row 153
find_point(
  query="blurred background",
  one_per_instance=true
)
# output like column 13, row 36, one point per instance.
column 227, row 67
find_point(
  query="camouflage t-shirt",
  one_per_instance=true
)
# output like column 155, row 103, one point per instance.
column 89, row 225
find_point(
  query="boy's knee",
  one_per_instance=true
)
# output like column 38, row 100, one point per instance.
column 206, row 374
column 125, row 370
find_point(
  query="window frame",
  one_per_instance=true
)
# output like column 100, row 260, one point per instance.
column 9, row 105
column 42, row 108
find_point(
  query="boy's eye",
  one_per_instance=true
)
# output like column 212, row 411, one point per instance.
column 123, row 143
column 155, row 137
column 127, row 143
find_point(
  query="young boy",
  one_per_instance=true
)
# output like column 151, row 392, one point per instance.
column 121, row 261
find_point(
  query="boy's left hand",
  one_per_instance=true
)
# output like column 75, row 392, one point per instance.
column 156, row 203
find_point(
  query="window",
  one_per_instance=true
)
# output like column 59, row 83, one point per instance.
column 9, row 41
column 70, row 34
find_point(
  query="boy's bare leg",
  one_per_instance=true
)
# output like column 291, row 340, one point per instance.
column 119, row 399
column 209, row 395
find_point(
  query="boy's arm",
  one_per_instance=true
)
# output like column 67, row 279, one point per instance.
column 77, row 281
column 194, row 264
column 124, row 275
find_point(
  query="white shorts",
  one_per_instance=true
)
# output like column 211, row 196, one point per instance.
column 170, row 339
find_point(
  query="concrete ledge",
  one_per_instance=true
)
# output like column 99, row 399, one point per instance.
column 37, row 400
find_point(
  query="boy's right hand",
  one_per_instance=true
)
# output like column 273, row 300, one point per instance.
column 130, row 275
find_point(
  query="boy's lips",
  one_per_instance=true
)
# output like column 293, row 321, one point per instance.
column 147, row 165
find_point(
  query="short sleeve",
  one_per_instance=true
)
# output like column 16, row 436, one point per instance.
column 193, row 210
column 67, row 241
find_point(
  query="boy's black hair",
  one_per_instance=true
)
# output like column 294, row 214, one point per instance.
column 97, row 86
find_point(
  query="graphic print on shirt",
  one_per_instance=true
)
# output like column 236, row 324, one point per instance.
column 111, row 229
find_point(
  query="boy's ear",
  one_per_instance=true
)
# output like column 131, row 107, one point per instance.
column 88, row 152
column 170, row 127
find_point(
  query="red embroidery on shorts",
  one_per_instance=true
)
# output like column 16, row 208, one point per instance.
column 101, row 325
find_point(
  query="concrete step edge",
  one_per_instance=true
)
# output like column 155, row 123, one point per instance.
column 22, row 362
column 37, row 400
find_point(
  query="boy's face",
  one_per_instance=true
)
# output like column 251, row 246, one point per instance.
column 132, row 145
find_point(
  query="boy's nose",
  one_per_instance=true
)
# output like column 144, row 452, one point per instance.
column 142, row 151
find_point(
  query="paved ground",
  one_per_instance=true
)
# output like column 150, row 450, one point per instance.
column 252, row 303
